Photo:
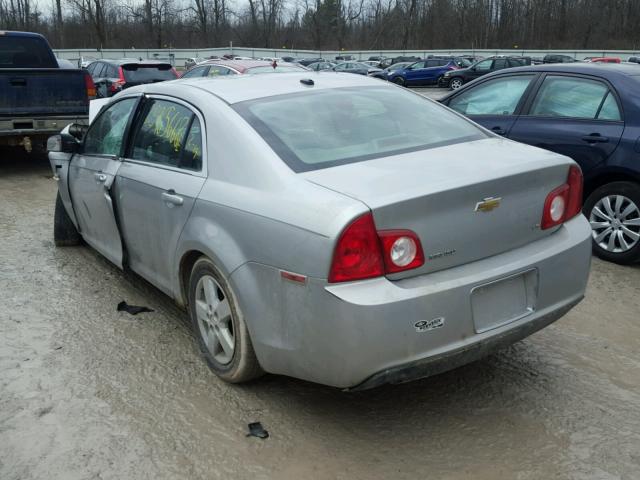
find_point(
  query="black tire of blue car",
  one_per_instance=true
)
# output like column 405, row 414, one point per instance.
column 618, row 224
column 243, row 365
column 455, row 83
column 399, row 81
column 65, row 233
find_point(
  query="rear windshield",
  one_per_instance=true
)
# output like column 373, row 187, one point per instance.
column 314, row 130
column 148, row 73
column 25, row 52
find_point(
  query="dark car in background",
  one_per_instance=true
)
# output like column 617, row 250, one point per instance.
column 556, row 58
column 387, row 62
column 112, row 76
column 454, row 79
column 586, row 112
column 384, row 74
column 426, row 72
column 356, row 67
column 308, row 61
column 38, row 95
column 321, row 66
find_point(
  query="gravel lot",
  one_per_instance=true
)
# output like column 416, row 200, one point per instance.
column 87, row 392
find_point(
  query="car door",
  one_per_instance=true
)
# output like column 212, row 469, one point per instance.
column 91, row 175
column 573, row 115
column 479, row 69
column 157, row 183
column 413, row 73
column 495, row 102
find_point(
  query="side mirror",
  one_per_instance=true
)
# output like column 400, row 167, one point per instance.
column 63, row 142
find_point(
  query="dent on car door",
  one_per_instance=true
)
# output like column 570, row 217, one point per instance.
column 575, row 116
column 157, row 185
column 494, row 103
column 91, row 176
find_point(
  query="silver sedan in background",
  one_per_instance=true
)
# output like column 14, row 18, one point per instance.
column 328, row 227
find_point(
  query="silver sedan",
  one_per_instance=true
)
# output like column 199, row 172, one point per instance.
column 328, row 227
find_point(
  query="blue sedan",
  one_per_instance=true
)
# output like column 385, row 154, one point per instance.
column 588, row 112
column 426, row 72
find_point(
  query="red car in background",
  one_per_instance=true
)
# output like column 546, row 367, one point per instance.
column 215, row 68
column 604, row 60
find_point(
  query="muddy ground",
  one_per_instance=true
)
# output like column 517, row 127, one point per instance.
column 87, row 392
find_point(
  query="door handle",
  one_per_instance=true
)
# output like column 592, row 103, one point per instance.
column 595, row 138
column 171, row 198
column 499, row 130
column 100, row 177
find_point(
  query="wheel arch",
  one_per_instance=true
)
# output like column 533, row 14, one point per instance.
column 609, row 176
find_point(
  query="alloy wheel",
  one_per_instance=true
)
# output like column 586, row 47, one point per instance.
column 455, row 84
column 615, row 223
column 213, row 312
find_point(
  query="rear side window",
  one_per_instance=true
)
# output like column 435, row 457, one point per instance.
column 165, row 135
column 25, row 52
column 500, row 63
column 106, row 134
column 216, row 71
column 572, row 97
column 494, row 97
column 320, row 129
column 609, row 109
column 135, row 73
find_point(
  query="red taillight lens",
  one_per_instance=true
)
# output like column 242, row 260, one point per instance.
column 362, row 252
column 175, row 72
column 565, row 202
column 401, row 250
column 357, row 254
column 89, row 86
column 575, row 181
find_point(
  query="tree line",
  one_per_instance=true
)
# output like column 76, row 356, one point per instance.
column 330, row 24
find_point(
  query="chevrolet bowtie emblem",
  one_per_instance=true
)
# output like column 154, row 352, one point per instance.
column 488, row 204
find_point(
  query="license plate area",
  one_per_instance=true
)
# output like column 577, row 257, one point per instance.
column 503, row 301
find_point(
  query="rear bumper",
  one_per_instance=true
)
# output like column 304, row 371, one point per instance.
column 32, row 126
column 436, row 364
column 363, row 334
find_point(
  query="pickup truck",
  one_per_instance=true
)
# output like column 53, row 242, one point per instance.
column 37, row 97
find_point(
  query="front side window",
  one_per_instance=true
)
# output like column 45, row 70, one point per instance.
column 495, row 97
column 161, row 133
column 569, row 97
column 320, row 129
column 106, row 134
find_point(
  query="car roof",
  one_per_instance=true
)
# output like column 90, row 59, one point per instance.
column 13, row 33
column 597, row 69
column 238, row 88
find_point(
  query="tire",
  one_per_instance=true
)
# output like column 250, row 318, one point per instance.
column 218, row 321
column 398, row 81
column 455, row 83
column 613, row 210
column 65, row 233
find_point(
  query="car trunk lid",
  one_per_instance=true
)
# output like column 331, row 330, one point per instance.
column 465, row 202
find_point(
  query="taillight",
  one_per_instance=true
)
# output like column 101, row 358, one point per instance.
column 564, row 202
column 401, row 250
column 357, row 254
column 362, row 252
column 116, row 86
column 175, row 72
column 89, row 86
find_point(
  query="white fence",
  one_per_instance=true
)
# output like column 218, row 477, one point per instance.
column 180, row 55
